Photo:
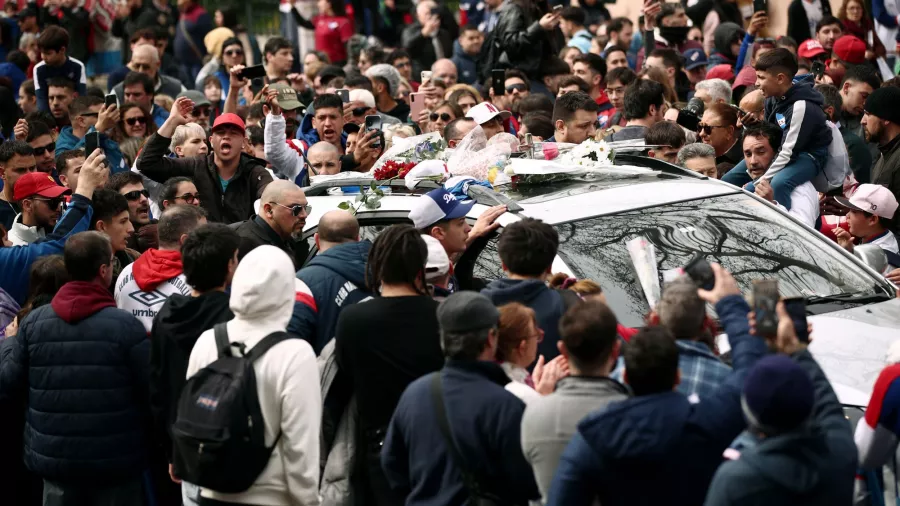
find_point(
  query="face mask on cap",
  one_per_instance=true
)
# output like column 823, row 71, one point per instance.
column 674, row 35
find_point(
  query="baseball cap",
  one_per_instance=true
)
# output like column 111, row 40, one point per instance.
column 486, row 111
column 437, row 205
column 868, row 198
column 693, row 58
column 438, row 264
column 287, row 96
column 722, row 71
column 810, row 48
column 229, row 119
column 467, row 311
column 197, row 97
column 38, row 183
column 850, row 49
column 364, row 96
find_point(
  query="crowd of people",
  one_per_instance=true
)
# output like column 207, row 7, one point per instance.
column 165, row 338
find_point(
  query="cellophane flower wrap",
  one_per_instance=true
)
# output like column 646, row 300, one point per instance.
column 475, row 156
column 406, row 153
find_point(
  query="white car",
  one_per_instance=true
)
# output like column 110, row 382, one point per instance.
column 852, row 308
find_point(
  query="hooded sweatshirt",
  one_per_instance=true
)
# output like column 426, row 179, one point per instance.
column 723, row 36
column 466, row 65
column 799, row 114
column 287, row 380
column 144, row 285
column 547, row 304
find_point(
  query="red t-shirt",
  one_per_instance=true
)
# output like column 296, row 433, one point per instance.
column 332, row 34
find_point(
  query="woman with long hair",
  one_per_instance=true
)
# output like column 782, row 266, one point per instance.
column 133, row 122
column 463, row 97
column 857, row 20
column 443, row 113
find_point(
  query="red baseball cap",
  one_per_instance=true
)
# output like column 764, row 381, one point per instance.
column 721, row 71
column 809, row 49
column 850, row 49
column 229, row 119
column 38, row 183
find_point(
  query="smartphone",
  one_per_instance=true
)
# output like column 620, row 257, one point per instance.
column 111, row 99
column 256, row 85
column 253, row 72
column 557, row 9
column 760, row 5
column 91, row 143
column 765, row 298
column 373, row 122
column 796, row 308
column 416, row 105
column 426, row 76
column 700, row 272
column 818, row 68
column 344, row 94
column 498, row 78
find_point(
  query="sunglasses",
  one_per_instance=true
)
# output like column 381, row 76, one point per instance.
column 296, row 209
column 234, row 52
column 707, row 129
column 51, row 203
column 43, row 149
column 136, row 120
column 200, row 111
column 360, row 111
column 189, row 198
column 443, row 116
column 89, row 114
column 136, row 194
column 515, row 87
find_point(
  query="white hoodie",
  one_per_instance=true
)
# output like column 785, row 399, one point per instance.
column 287, row 378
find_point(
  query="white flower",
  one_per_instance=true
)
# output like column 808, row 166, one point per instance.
column 509, row 170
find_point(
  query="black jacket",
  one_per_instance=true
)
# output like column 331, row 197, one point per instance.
column 518, row 42
column 798, row 23
column 256, row 232
column 234, row 204
column 176, row 328
column 886, row 172
column 421, row 49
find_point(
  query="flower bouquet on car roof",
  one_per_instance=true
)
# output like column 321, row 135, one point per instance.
column 559, row 162
column 406, row 153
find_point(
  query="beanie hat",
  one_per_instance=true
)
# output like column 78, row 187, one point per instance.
column 884, row 103
column 387, row 72
column 778, row 395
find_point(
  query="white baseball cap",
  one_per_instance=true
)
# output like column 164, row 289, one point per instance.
column 486, row 111
column 364, row 96
column 873, row 199
column 438, row 263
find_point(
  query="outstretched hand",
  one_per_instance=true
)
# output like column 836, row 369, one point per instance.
column 725, row 286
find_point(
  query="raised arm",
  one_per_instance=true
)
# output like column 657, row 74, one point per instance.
column 153, row 162
column 234, row 85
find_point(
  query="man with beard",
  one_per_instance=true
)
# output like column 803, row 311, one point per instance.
column 881, row 122
column 202, row 107
column 131, row 186
column 673, row 29
column 230, row 180
column 859, row 82
column 60, row 93
column 41, row 201
column 283, row 209
column 517, row 87
column 41, row 141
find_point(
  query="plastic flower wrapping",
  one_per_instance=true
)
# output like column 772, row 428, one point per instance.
column 475, row 156
column 410, row 150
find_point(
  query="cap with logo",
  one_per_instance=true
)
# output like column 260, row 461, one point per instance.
column 694, row 58
column 38, row 183
column 810, row 48
column 437, row 205
column 873, row 199
column 197, row 97
column 467, row 311
column 438, row 263
column 287, row 96
column 229, row 119
column 486, row 111
column 850, row 49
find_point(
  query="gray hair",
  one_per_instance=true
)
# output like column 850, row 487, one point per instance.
column 681, row 310
column 718, row 89
column 176, row 221
column 695, row 150
column 185, row 132
column 466, row 345
column 25, row 40
column 149, row 49
column 388, row 73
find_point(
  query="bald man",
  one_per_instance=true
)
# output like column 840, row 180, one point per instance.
column 332, row 280
column 145, row 59
column 282, row 215
column 752, row 104
column 324, row 158
column 445, row 70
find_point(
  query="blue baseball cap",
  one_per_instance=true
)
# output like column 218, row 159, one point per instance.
column 694, row 58
column 437, row 205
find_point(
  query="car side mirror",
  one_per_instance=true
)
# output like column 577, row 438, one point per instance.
column 872, row 255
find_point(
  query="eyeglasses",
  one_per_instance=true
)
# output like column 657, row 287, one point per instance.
column 200, row 111
column 360, row 111
column 296, row 209
column 134, row 121
column 516, row 87
column 443, row 116
column 189, row 198
column 51, row 203
column 43, row 149
column 234, row 52
column 136, row 194
column 707, row 129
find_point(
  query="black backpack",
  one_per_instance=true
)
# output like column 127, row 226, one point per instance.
column 218, row 434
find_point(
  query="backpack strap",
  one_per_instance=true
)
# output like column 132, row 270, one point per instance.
column 265, row 343
column 222, row 345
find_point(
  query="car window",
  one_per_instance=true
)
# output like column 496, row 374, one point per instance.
column 748, row 238
column 487, row 266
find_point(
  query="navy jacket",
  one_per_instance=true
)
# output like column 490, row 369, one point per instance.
column 331, row 281
column 466, row 65
column 71, row 69
column 660, row 448
column 799, row 114
column 548, row 305
column 485, row 421
column 81, row 365
column 814, row 465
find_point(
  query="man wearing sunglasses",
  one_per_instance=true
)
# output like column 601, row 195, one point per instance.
column 202, row 107
column 41, row 201
column 283, row 209
column 40, row 139
column 131, row 186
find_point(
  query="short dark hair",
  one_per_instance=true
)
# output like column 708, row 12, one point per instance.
column 640, row 95
column 566, row 105
column 144, row 33
column 595, row 62
column 61, row 82
column 81, row 105
column 832, row 97
column 539, row 124
column 536, row 102
column 651, row 361
column 62, row 161
column 517, row 74
column 589, row 331
column 53, row 38
column 469, row 28
column 862, row 74
column 170, row 188
column 397, row 256
column 205, row 255
column 397, row 54
column 328, row 100
column 777, row 61
column 40, row 116
column 275, row 44
column 574, row 15
column 617, row 24
column 570, row 80
column 213, row 80
column 106, row 205
column 144, row 80
column 84, row 253
column 28, row 87
column 19, row 59
column 555, row 66
column 786, row 41
column 256, row 134
column 358, row 81
column 828, row 20
column 121, row 179
column 670, row 57
column 665, row 133
column 764, row 129
column 12, row 148
column 668, row 9
column 178, row 220
column 623, row 75
column 452, row 128
column 329, row 72
column 37, row 129
column 528, row 246
column 95, row 91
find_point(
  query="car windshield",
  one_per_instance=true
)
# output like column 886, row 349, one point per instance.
column 748, row 238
